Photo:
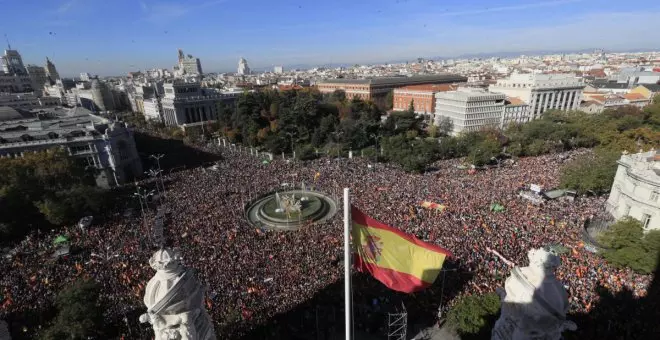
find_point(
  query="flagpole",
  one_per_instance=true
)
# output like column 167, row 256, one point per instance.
column 347, row 264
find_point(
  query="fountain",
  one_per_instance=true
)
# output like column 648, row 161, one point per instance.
column 290, row 210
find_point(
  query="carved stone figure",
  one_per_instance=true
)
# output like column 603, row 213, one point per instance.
column 175, row 301
column 534, row 302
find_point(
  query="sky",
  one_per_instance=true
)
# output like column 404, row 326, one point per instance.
column 114, row 37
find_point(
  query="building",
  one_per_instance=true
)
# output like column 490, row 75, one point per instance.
column 516, row 111
column 636, row 189
column 542, row 92
column 243, row 68
column 607, row 86
column 278, row 69
column 189, row 64
column 188, row 103
column 153, row 109
column 12, row 62
column 647, row 90
column 39, row 78
column 51, row 71
column 599, row 102
column 422, row 97
column 376, row 89
column 95, row 141
column 95, row 96
column 470, row 109
column 85, row 76
column 27, row 101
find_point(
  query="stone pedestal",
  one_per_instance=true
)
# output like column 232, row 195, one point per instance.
column 534, row 302
column 175, row 301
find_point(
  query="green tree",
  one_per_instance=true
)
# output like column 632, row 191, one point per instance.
column 42, row 188
column 627, row 246
column 389, row 100
column 474, row 315
column 590, row 173
column 79, row 316
column 445, row 125
column 306, row 152
column 413, row 154
column 339, row 96
column 484, row 152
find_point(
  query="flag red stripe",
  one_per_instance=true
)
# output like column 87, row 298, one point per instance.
column 360, row 218
column 393, row 279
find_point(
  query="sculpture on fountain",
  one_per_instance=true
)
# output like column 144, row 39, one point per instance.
column 534, row 302
column 175, row 301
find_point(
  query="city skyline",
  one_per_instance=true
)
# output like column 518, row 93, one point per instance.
column 112, row 39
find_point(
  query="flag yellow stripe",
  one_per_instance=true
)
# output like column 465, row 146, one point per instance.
column 397, row 253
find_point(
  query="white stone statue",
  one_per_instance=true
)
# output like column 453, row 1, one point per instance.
column 534, row 302
column 175, row 301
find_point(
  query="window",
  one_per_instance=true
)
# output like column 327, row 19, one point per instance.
column 626, row 211
column 654, row 196
column 646, row 220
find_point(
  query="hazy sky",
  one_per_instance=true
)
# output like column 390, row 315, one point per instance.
column 114, row 37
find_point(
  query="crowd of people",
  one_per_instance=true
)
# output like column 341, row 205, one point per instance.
column 252, row 275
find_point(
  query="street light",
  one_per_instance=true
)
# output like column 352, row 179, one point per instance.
column 157, row 157
column 105, row 257
column 142, row 194
column 154, row 174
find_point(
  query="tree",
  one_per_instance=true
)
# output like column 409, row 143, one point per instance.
column 413, row 154
column 627, row 246
column 79, row 315
column 411, row 107
column 339, row 96
column 445, row 126
column 484, row 152
column 43, row 188
column 473, row 315
column 305, row 152
column 389, row 100
column 590, row 173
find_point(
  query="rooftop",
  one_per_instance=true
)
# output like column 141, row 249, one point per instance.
column 515, row 101
column 644, row 165
column 50, row 124
column 634, row 96
column 429, row 88
column 445, row 78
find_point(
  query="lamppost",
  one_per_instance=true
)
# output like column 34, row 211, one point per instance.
column 154, row 174
column 107, row 256
column 157, row 157
column 142, row 194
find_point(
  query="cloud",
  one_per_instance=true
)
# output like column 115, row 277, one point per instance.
column 161, row 11
column 506, row 8
column 66, row 6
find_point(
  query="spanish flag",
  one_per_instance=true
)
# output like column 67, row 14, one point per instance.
column 398, row 260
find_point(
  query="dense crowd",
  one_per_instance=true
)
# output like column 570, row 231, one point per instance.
column 254, row 274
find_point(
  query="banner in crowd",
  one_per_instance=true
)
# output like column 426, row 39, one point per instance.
column 398, row 260
column 496, row 207
column 432, row 205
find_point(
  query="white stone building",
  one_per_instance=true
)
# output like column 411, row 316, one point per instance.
column 153, row 109
column 470, row 109
column 636, row 189
column 278, row 69
column 189, row 65
column 515, row 111
column 188, row 103
column 243, row 68
column 543, row 92
column 95, row 141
